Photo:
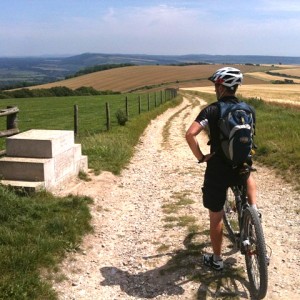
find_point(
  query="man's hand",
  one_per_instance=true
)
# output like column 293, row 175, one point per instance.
column 206, row 158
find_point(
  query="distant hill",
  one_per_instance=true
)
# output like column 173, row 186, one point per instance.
column 39, row 70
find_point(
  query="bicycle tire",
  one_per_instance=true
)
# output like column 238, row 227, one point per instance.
column 230, row 217
column 255, row 253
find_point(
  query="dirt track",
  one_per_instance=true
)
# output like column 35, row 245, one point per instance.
column 134, row 253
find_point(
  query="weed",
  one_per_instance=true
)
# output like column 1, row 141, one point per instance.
column 84, row 176
column 121, row 117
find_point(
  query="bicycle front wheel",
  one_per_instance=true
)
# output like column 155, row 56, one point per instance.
column 254, row 245
column 230, row 217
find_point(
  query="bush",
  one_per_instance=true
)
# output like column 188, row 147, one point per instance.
column 121, row 117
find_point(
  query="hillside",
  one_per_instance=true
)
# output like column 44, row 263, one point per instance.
column 38, row 70
column 133, row 78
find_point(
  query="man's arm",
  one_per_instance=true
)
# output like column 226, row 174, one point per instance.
column 191, row 138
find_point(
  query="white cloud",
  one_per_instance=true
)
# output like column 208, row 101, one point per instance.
column 292, row 6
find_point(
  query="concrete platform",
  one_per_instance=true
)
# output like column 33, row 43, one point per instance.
column 39, row 143
column 49, row 157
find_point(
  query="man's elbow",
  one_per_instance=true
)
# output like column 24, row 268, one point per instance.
column 189, row 136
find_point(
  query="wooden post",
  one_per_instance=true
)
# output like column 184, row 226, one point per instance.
column 161, row 97
column 148, row 102
column 140, row 106
column 107, row 116
column 155, row 99
column 75, row 119
column 126, row 107
column 11, row 120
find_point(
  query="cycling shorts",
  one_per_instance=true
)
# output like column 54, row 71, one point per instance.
column 219, row 175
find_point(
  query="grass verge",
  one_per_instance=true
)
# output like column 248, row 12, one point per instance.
column 35, row 233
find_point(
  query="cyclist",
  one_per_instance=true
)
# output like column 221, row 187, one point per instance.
column 219, row 175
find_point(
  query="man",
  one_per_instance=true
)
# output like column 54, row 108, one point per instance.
column 219, row 175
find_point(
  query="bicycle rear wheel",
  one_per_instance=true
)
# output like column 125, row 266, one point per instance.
column 230, row 217
column 254, row 245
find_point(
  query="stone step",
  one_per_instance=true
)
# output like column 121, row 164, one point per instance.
column 28, row 186
column 26, row 169
column 38, row 143
column 50, row 170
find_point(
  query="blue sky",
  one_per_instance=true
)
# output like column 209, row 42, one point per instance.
column 41, row 27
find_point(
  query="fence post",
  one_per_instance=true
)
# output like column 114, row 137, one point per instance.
column 161, row 97
column 140, row 106
column 107, row 116
column 11, row 120
column 148, row 102
column 155, row 99
column 75, row 119
column 126, row 107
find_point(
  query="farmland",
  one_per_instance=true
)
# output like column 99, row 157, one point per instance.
column 283, row 93
column 153, row 77
column 258, row 84
column 268, row 77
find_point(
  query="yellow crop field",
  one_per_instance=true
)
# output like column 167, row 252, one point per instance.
column 283, row 93
column 132, row 78
column 290, row 71
column 269, row 78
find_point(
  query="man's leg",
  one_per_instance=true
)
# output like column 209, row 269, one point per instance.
column 251, row 191
column 216, row 232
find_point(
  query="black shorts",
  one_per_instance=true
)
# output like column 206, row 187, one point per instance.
column 219, row 175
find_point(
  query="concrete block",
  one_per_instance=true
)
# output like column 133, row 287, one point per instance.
column 26, row 169
column 41, row 158
column 38, row 143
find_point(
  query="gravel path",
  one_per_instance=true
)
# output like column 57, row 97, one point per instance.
column 150, row 228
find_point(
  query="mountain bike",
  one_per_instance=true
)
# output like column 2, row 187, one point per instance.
column 243, row 224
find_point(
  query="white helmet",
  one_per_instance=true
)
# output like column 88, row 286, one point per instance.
column 227, row 76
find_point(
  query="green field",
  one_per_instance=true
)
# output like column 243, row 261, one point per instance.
column 58, row 112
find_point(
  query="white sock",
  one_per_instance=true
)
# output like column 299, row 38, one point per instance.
column 217, row 257
column 254, row 206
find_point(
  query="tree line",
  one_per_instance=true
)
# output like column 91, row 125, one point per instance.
column 98, row 68
column 59, row 91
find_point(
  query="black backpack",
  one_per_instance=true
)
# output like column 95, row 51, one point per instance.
column 236, row 125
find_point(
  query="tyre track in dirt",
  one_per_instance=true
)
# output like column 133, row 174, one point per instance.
column 138, row 250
